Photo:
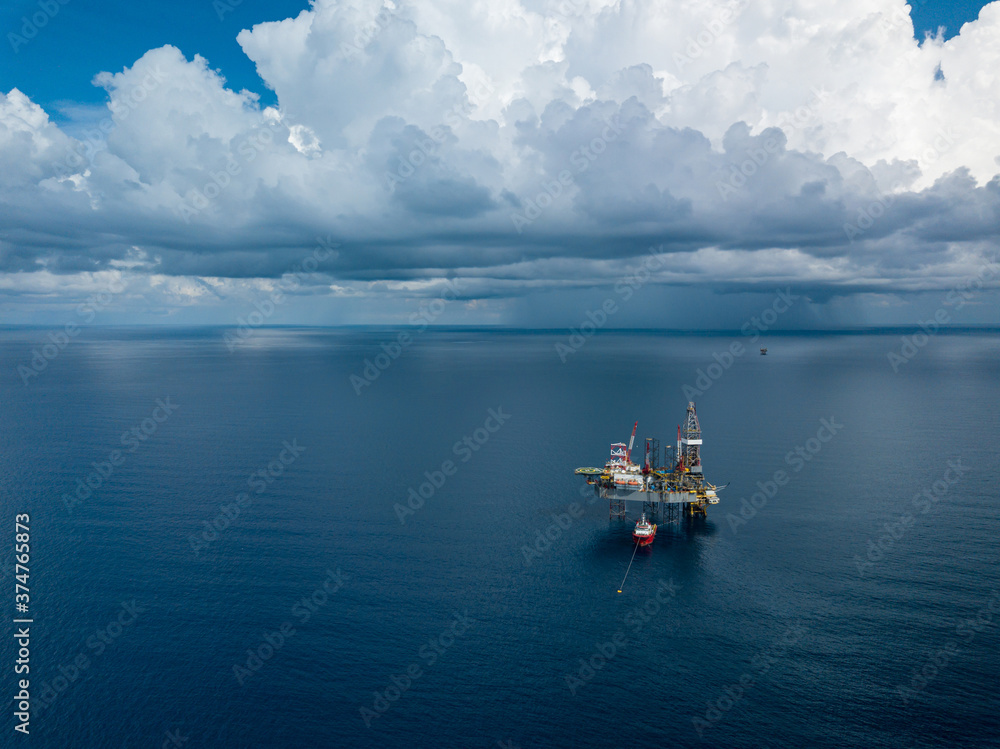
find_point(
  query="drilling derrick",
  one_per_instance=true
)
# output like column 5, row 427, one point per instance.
column 652, row 455
column 691, row 441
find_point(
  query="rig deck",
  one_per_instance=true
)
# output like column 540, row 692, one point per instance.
column 671, row 485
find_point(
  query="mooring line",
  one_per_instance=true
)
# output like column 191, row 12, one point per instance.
column 629, row 566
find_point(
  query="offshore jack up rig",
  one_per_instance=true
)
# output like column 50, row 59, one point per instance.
column 675, row 485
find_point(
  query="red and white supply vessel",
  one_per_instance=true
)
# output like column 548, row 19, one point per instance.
column 644, row 532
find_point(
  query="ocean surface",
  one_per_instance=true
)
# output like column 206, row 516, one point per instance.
column 249, row 566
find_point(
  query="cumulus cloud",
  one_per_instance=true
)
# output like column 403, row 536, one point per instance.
column 526, row 145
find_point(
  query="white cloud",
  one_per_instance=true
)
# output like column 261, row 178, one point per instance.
column 800, row 140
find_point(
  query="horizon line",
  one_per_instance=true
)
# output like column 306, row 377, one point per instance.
column 975, row 328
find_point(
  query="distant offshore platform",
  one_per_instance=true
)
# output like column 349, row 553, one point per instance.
column 675, row 486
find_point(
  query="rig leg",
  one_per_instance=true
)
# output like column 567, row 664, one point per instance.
column 649, row 507
column 616, row 508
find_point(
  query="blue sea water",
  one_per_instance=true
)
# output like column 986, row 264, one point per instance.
column 846, row 609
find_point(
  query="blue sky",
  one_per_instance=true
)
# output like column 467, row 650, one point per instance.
column 831, row 150
column 929, row 15
column 83, row 39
